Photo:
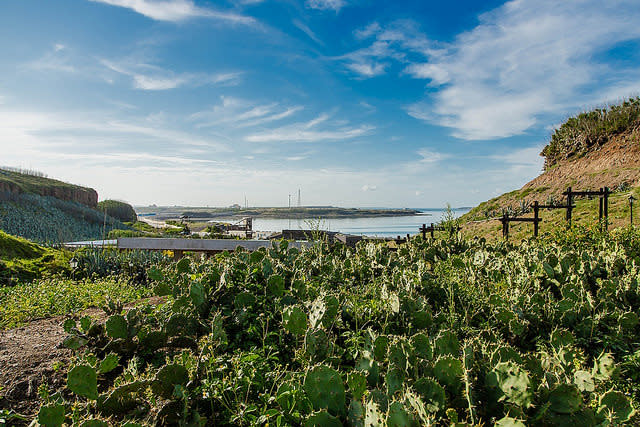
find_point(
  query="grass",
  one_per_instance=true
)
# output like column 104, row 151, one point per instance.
column 576, row 136
column 585, row 215
column 24, row 261
column 56, row 296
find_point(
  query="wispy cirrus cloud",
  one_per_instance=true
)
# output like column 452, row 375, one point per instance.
column 151, row 77
column 335, row 5
column 177, row 10
column 55, row 59
column 241, row 113
column 311, row 131
column 523, row 61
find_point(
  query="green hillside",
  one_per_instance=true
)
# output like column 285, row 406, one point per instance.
column 46, row 210
column 23, row 261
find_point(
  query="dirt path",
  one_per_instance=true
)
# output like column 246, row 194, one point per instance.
column 30, row 354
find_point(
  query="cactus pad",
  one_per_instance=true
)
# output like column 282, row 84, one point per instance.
column 51, row 415
column 83, row 381
column 167, row 378
column 615, row 406
column 324, row 388
column 448, row 370
column 322, row 419
column 116, row 326
column 432, row 394
column 565, row 399
column 294, row 320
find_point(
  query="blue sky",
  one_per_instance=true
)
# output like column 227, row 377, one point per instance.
column 355, row 102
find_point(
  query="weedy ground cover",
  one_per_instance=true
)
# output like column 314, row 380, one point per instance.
column 447, row 332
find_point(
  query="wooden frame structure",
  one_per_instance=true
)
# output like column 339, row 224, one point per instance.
column 433, row 228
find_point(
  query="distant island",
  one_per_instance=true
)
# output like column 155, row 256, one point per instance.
column 168, row 212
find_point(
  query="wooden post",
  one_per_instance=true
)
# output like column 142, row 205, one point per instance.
column 423, row 230
column 606, row 208
column 536, row 210
column 433, row 231
column 600, row 208
column 569, row 205
column 505, row 226
column 177, row 255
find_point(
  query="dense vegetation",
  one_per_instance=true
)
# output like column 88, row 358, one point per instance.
column 49, row 219
column 456, row 332
column 590, row 129
column 15, row 180
column 24, row 261
column 119, row 210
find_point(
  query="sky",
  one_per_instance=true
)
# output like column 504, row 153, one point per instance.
column 354, row 102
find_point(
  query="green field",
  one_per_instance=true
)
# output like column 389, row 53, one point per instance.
column 447, row 332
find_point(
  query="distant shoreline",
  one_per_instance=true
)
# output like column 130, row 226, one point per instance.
column 311, row 212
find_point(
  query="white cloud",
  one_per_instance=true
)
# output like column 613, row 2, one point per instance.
column 243, row 113
column 429, row 156
column 149, row 77
column 176, row 10
column 369, row 187
column 326, row 4
column 305, row 29
column 56, row 59
column 309, row 132
column 524, row 60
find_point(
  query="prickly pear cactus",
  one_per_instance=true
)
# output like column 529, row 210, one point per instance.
column 355, row 415
column 509, row 422
column 397, row 416
column 116, row 327
column 447, row 344
column 421, row 346
column 357, row 383
column 109, row 363
column 432, row 394
column 615, row 407
column 394, row 381
column 167, row 378
column 294, row 320
column 514, row 383
column 565, row 399
column 380, row 347
column 83, row 381
column 448, row 371
column 51, row 415
column 324, row 388
column 584, row 381
column 275, row 286
column 373, row 416
column 316, row 344
column 322, row 419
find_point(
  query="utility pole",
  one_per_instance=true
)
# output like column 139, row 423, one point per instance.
column 299, row 205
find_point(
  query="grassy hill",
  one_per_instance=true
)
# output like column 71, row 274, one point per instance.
column 46, row 210
column 599, row 148
column 23, row 261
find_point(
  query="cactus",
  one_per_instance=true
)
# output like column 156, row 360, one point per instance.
column 447, row 344
column 397, row 416
column 116, row 327
column 120, row 400
column 244, row 300
column 604, row 367
column 421, row 346
column 51, row 415
column 418, row 406
column 316, row 344
column 565, row 399
column 628, row 321
column 372, row 369
column 373, row 416
column 514, row 383
column 109, row 363
column 167, row 378
column 197, row 295
column 509, row 422
column 324, row 311
column 357, row 383
column 355, row 415
column 380, row 348
column 432, row 394
column 615, row 407
column 74, row 342
column 83, row 381
column 275, row 286
column 324, row 388
column 394, row 381
column 94, row 423
column 322, row 419
column 584, row 381
column 448, row 370
column 561, row 338
column 398, row 355
column 183, row 266
column 294, row 320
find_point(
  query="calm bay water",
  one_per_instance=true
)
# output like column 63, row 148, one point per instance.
column 379, row 227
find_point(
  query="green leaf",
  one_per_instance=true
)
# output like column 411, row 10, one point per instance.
column 324, row 388
column 109, row 363
column 565, row 399
column 183, row 265
column 116, row 326
column 357, row 383
column 85, row 324
column 155, row 274
column 583, row 380
column 51, row 415
column 83, row 381
column 294, row 320
column 275, row 285
column 68, row 325
column 615, row 406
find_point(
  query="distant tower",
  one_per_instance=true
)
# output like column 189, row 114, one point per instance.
column 299, row 198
